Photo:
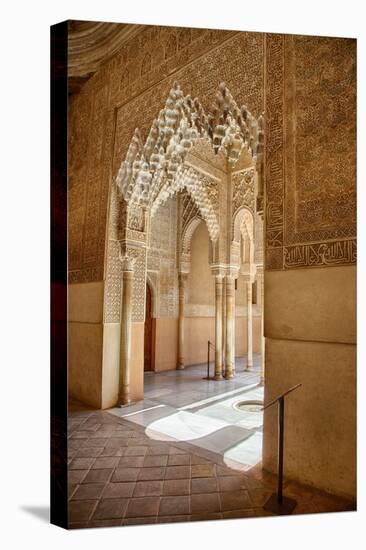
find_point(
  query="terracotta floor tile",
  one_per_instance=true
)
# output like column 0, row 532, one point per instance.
column 195, row 459
column 203, row 470
column 98, row 476
column 224, row 471
column 81, row 463
column 112, row 508
column 71, row 488
column 155, row 460
column 176, row 487
column 148, row 488
column 76, row 476
column 74, row 444
column 156, row 473
column 205, row 503
column 138, row 441
column 140, row 507
column 174, row 506
column 160, row 449
column 231, row 483
column 176, row 451
column 122, row 489
column 116, row 442
column 208, row 516
column 88, row 452
column 80, row 435
column 204, row 485
column 113, row 451
column 235, row 500
column 80, row 510
column 105, row 462
column 138, row 450
column 125, row 474
column 95, row 442
column 179, row 460
column 88, row 491
column 177, row 472
column 131, row 462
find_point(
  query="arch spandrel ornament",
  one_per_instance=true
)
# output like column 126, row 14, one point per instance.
column 154, row 170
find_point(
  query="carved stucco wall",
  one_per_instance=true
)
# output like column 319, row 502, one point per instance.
column 162, row 261
column 310, row 107
column 310, row 183
column 127, row 92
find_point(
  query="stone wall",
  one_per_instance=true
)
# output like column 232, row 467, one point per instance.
column 306, row 86
column 310, row 239
column 127, row 92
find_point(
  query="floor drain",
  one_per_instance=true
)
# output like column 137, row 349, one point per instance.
column 253, row 406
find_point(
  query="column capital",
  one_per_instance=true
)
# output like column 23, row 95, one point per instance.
column 218, row 274
column 232, row 272
column 248, row 271
column 127, row 262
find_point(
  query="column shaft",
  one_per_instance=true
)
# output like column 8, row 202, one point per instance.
column 218, row 328
column 224, row 324
column 182, row 285
column 261, row 290
column 229, row 326
column 125, row 331
column 249, row 327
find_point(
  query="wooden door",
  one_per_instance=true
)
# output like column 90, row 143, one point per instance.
column 148, row 331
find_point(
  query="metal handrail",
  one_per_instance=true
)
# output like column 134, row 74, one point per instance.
column 277, row 503
column 208, row 357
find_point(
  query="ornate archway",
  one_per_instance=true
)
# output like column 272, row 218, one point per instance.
column 153, row 171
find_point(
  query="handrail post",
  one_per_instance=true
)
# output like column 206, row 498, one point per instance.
column 277, row 503
column 281, row 418
column 208, row 359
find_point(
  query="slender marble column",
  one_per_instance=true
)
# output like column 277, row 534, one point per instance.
column 233, row 332
column 218, row 328
column 224, row 323
column 261, row 289
column 229, row 326
column 182, row 286
column 125, row 331
column 249, row 327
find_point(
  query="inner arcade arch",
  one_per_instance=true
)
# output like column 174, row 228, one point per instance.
column 209, row 165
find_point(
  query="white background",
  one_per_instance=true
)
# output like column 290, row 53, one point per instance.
column 24, row 306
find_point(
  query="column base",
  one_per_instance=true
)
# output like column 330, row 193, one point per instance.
column 124, row 398
column 249, row 367
column 180, row 367
column 218, row 377
column 229, row 375
column 122, row 405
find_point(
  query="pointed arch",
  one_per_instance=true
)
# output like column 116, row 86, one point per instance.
column 151, row 166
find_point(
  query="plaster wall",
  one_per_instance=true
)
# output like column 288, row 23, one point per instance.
column 310, row 329
column 166, row 344
column 85, row 342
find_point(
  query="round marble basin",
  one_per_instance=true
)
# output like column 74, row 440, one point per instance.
column 249, row 406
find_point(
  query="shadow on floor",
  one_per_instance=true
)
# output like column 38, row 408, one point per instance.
column 40, row 512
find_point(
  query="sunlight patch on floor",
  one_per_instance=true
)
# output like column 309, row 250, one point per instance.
column 184, row 426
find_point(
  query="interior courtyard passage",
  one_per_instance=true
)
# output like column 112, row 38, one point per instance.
column 123, row 471
column 212, row 209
